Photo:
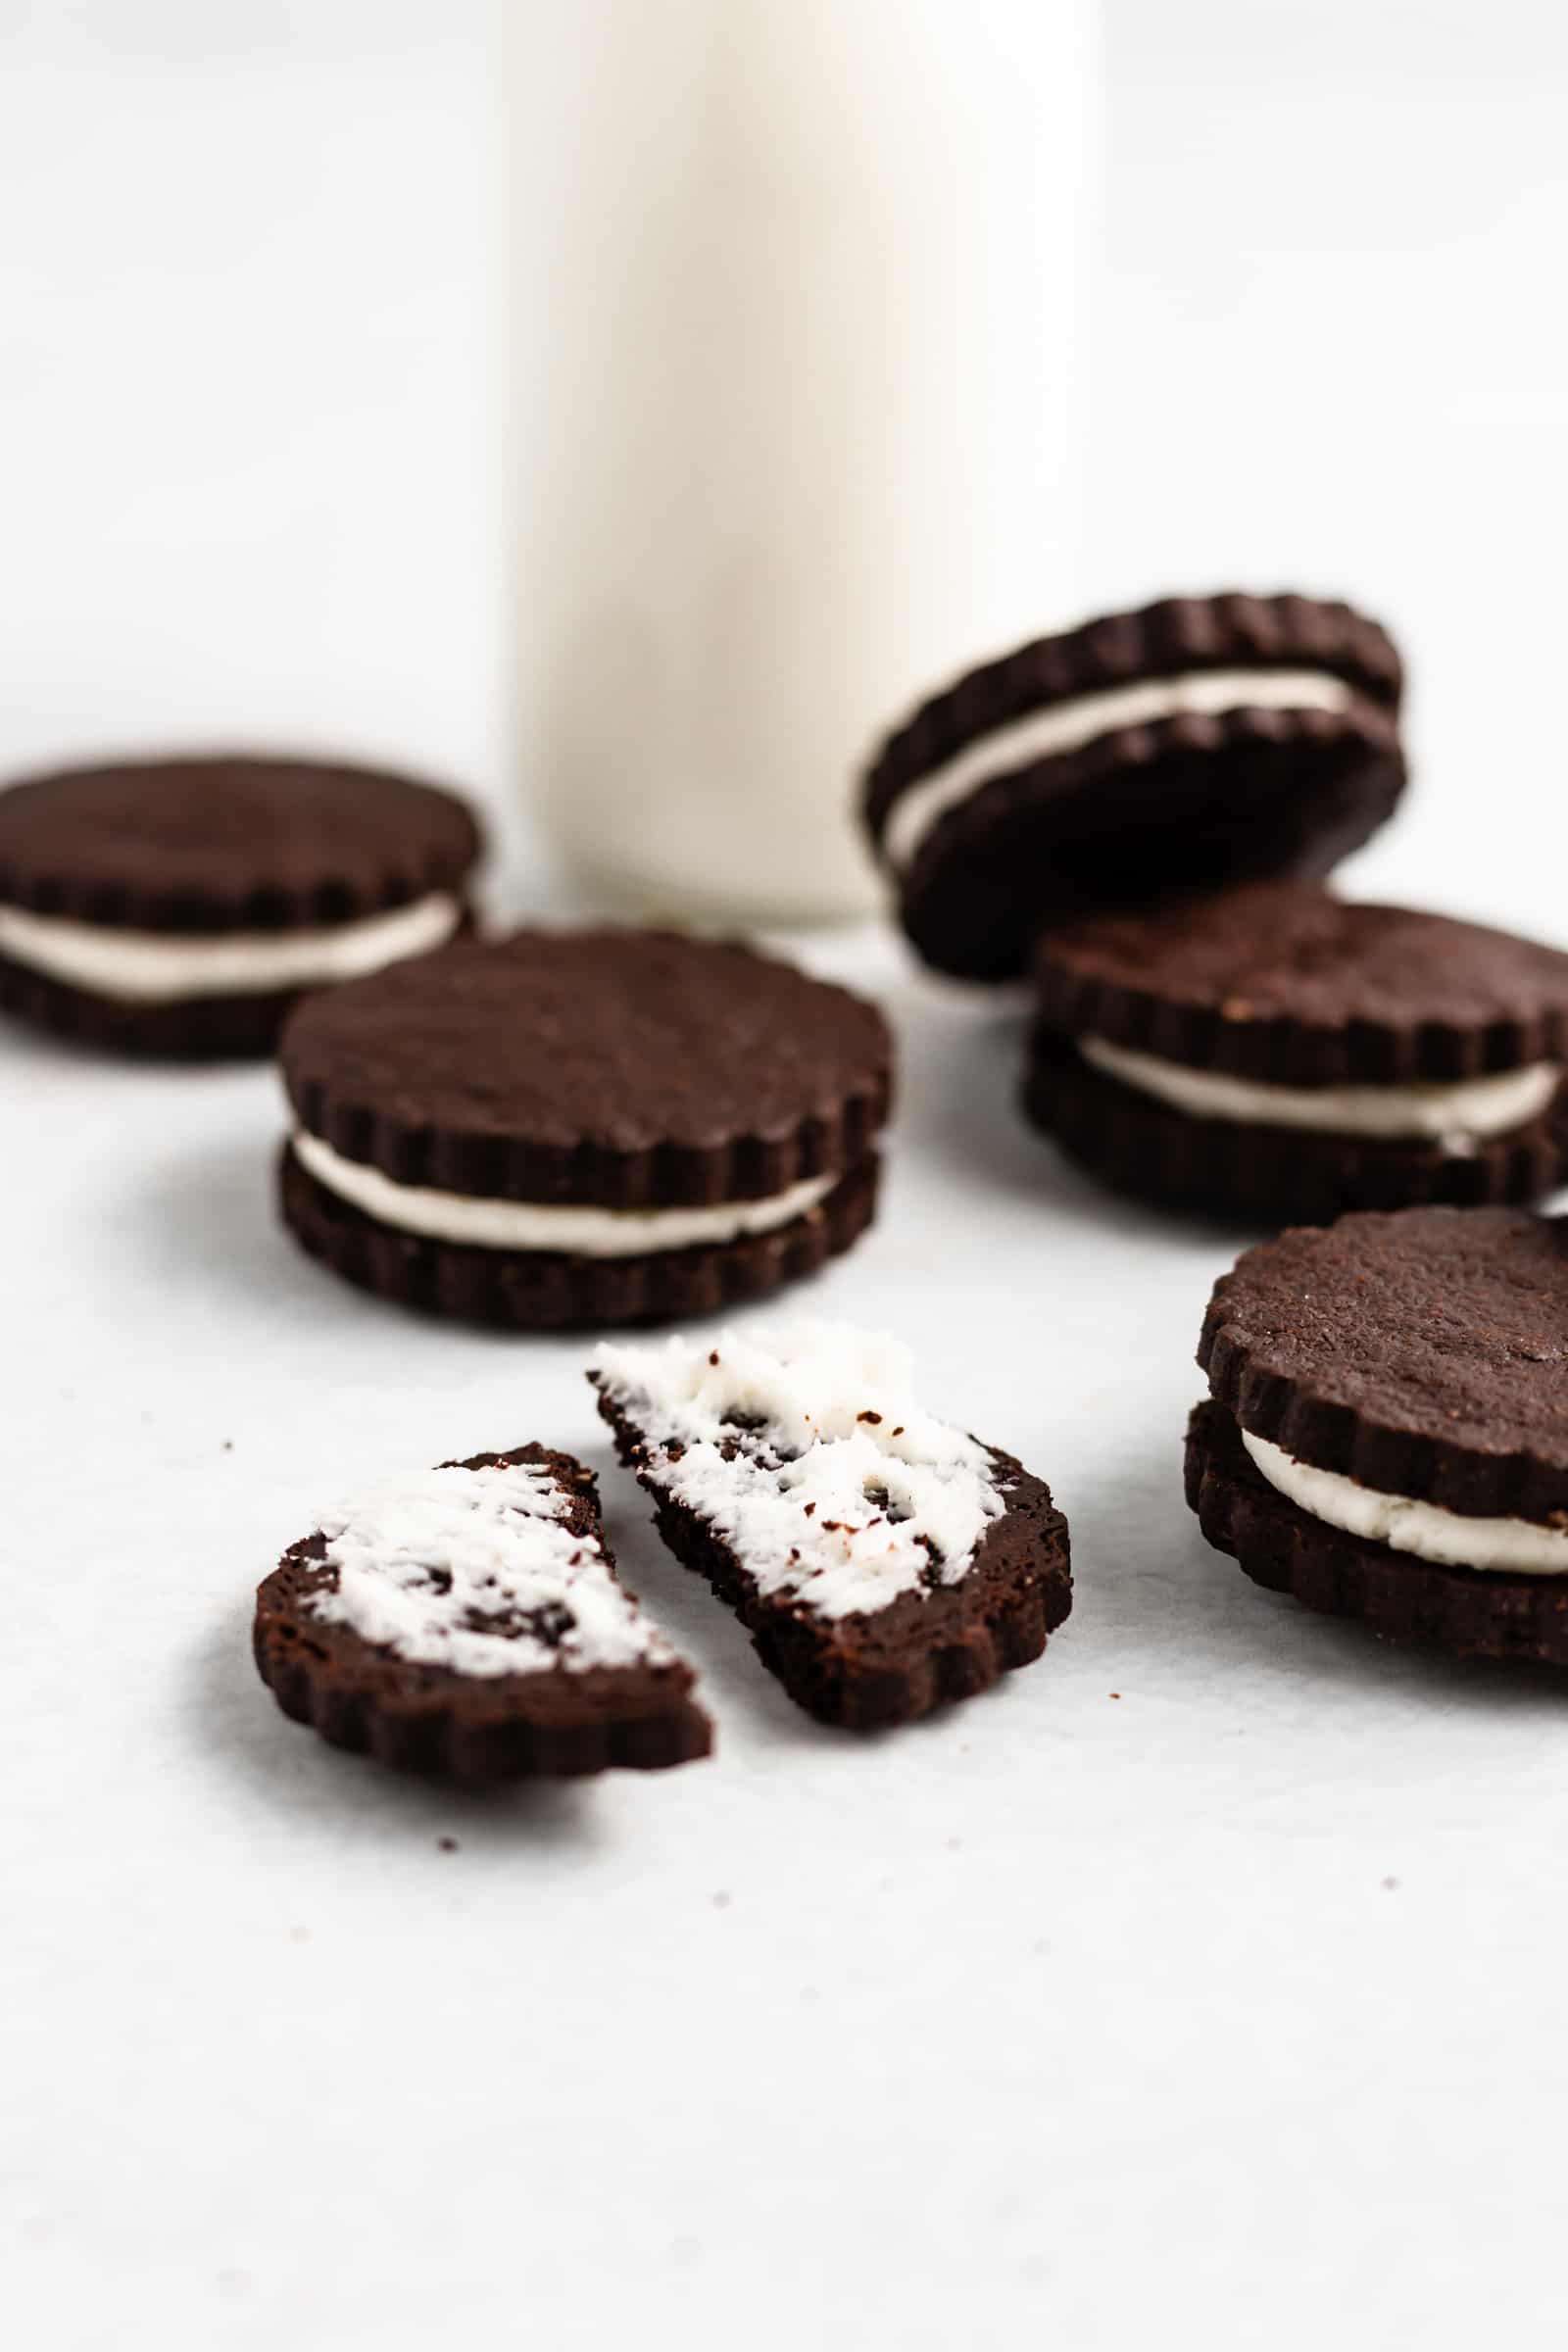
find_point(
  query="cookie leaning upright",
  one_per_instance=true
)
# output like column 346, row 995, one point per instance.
column 1201, row 741
column 1386, row 1438
column 180, row 906
column 583, row 1128
column 1282, row 1057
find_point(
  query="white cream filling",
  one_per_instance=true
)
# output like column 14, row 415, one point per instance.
column 441, row 1568
column 805, row 1449
column 576, row 1232
column 1510, row 1547
column 1456, row 1116
column 1068, row 727
column 157, row 967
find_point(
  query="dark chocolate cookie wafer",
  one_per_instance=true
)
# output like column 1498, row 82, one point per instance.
column 583, row 1128
column 1202, row 742
column 1387, row 1437
column 469, row 1623
column 182, row 905
column 1342, row 1575
column 1279, row 1056
column 884, row 1562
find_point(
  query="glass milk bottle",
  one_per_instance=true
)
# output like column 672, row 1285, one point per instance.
column 798, row 290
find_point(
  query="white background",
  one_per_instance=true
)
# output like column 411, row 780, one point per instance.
column 1224, row 2010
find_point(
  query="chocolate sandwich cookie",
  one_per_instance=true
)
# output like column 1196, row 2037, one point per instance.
column 1281, row 1057
column 583, row 1128
column 179, row 906
column 1202, row 742
column 1387, row 1437
column 883, row 1561
column 469, row 1623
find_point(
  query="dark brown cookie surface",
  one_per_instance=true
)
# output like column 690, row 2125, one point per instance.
column 1396, row 1597
column 936, row 1639
column 192, row 1029
column 1290, row 986
column 1261, row 1176
column 542, row 1290
column 626, row 1069
column 1152, row 806
column 1424, row 1354
column 216, row 843
column 586, row 1704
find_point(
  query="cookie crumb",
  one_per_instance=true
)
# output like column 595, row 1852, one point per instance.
column 1114, row 1694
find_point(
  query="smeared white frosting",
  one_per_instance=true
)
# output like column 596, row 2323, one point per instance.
column 1449, row 1539
column 1068, row 727
column 804, row 1450
column 168, row 968
column 1457, row 1115
column 543, row 1225
column 434, row 1567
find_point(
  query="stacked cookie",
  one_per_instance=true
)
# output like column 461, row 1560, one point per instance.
column 580, row 1129
column 1279, row 1056
column 180, row 907
column 1140, row 814
column 1386, row 1438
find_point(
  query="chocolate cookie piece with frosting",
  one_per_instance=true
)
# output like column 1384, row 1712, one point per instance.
column 1198, row 743
column 1278, row 1056
column 469, row 1623
column 179, row 906
column 1386, row 1438
column 884, row 1561
column 583, row 1128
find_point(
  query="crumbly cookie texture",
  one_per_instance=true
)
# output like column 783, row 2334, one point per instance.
column 809, row 1452
column 884, row 1560
column 485, row 1571
column 468, row 1622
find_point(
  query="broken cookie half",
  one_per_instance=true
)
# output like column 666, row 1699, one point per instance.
column 468, row 1622
column 883, row 1560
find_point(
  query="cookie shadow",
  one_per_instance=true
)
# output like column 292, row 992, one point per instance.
column 961, row 1082
column 285, row 1767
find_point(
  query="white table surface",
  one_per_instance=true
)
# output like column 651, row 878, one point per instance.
column 1224, row 2009
column 1040, row 2015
